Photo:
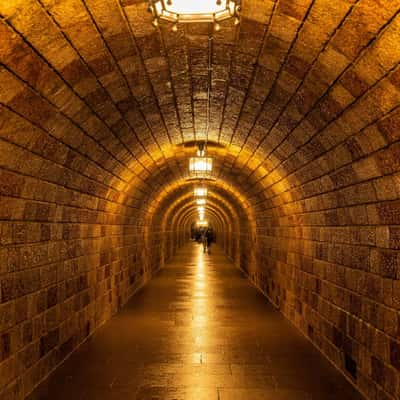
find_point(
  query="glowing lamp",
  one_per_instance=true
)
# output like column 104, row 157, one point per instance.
column 201, row 202
column 202, row 223
column 194, row 10
column 200, row 165
column 200, row 192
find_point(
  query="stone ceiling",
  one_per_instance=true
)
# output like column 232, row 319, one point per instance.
column 292, row 82
column 99, row 112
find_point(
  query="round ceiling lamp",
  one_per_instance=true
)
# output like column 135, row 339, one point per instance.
column 200, row 192
column 189, row 11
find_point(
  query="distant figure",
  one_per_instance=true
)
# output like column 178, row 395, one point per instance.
column 209, row 239
column 198, row 236
column 204, row 240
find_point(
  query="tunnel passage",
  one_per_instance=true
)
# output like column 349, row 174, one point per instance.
column 95, row 104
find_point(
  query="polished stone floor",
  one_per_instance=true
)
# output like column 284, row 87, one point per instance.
column 197, row 331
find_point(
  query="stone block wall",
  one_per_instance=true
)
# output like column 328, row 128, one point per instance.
column 328, row 255
column 71, row 243
column 65, row 270
column 95, row 105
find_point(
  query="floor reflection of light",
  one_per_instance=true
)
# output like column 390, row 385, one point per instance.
column 199, row 293
column 200, row 333
column 199, row 285
column 196, row 358
column 199, row 340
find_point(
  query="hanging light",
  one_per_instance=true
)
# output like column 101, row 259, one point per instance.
column 200, row 165
column 200, row 192
column 194, row 11
column 201, row 214
column 202, row 223
column 200, row 150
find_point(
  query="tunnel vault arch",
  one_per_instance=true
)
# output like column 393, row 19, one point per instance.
column 99, row 112
column 228, row 199
column 213, row 209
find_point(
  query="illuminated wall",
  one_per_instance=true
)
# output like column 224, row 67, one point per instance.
column 99, row 114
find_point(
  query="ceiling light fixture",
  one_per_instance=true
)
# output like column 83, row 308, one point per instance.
column 200, row 166
column 188, row 11
column 202, row 223
column 200, row 192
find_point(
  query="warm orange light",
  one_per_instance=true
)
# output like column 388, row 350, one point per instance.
column 201, row 202
column 194, row 7
column 202, row 223
column 200, row 164
column 200, row 192
column 195, row 10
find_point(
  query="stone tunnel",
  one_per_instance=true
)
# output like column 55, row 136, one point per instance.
column 100, row 111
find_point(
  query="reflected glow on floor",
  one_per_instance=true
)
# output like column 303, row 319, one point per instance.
column 198, row 331
column 201, row 292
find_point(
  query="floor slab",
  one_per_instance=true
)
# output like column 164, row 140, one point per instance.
column 197, row 331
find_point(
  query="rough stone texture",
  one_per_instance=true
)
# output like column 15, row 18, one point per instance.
column 95, row 105
column 201, row 332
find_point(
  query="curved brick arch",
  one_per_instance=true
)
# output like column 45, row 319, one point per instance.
column 214, row 213
column 240, row 217
column 214, row 206
column 173, row 233
column 223, row 212
column 166, row 241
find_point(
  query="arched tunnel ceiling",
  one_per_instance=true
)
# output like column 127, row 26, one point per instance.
column 293, row 81
column 183, row 194
column 99, row 113
column 215, row 206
